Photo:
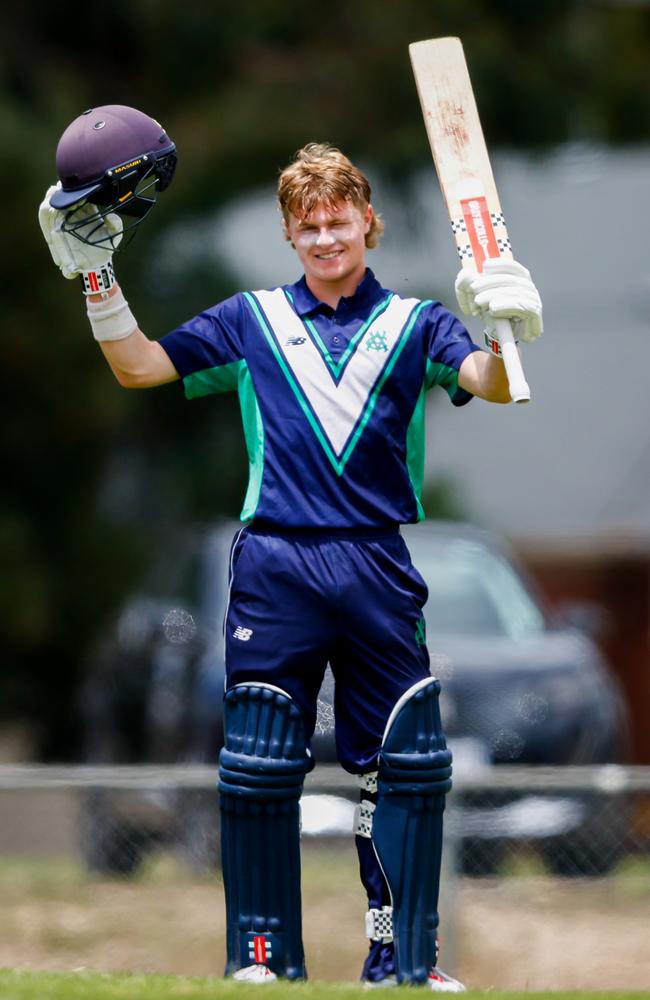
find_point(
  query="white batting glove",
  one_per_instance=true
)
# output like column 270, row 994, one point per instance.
column 73, row 257
column 503, row 290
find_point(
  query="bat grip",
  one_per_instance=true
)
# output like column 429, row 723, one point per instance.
column 516, row 380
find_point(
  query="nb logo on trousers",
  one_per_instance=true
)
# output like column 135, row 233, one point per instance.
column 242, row 633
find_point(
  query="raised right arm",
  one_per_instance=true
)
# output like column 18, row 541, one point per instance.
column 136, row 361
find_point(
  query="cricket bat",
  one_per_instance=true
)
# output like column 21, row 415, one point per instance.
column 463, row 166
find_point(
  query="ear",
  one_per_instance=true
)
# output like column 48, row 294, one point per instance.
column 368, row 217
column 285, row 232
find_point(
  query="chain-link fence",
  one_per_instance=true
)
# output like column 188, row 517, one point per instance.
column 557, row 857
column 569, row 822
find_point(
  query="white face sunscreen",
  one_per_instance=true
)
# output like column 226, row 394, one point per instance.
column 324, row 236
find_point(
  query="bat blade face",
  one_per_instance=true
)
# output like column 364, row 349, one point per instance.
column 459, row 151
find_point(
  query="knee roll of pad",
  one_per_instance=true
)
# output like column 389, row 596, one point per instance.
column 414, row 758
column 414, row 777
column 261, row 775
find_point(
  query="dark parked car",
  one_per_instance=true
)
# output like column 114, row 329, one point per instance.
column 517, row 688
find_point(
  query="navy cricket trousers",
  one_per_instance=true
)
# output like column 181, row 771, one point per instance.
column 301, row 599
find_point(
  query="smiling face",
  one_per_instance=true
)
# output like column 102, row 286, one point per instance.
column 331, row 244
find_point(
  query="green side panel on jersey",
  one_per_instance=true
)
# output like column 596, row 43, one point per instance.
column 254, row 435
column 221, row 378
column 415, row 450
column 437, row 374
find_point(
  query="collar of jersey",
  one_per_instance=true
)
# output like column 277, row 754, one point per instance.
column 367, row 294
column 336, row 368
column 360, row 298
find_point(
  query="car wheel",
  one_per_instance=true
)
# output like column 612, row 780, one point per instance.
column 578, row 858
column 479, row 858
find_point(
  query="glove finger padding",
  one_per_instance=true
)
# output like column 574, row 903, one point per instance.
column 526, row 327
column 485, row 282
column 504, row 290
column 69, row 253
column 50, row 220
column 516, row 304
column 464, row 293
column 114, row 227
column 505, row 266
column 106, row 234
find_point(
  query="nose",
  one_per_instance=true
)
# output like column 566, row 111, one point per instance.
column 325, row 237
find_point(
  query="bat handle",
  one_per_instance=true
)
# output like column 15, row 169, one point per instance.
column 516, row 380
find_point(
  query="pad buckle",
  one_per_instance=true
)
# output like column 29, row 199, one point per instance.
column 368, row 782
column 379, row 924
column 363, row 818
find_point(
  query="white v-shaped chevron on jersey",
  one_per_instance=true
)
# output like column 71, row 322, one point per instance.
column 340, row 406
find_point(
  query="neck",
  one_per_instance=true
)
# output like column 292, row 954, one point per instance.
column 331, row 292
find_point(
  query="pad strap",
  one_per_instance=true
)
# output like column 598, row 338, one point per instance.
column 368, row 782
column 363, row 819
column 379, row 924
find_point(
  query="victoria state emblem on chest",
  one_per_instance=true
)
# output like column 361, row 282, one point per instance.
column 336, row 398
column 377, row 341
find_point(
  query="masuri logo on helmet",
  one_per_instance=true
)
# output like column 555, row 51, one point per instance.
column 117, row 159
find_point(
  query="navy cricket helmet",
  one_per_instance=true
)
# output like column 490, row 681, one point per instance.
column 117, row 159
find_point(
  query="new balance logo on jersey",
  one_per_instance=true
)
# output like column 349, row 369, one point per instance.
column 242, row 633
column 295, row 341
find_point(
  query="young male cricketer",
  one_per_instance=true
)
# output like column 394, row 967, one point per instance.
column 331, row 372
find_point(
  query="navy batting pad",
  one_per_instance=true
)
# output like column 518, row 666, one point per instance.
column 262, row 769
column 414, row 777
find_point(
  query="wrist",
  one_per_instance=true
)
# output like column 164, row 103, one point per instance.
column 103, row 296
column 110, row 317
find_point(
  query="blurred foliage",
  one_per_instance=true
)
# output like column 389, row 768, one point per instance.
column 88, row 467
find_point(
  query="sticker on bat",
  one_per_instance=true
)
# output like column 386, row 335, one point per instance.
column 479, row 229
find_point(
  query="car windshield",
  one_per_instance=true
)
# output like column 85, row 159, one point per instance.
column 474, row 591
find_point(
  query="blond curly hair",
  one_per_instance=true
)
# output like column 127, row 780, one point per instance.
column 320, row 174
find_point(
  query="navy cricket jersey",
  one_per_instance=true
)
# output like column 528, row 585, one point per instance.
column 332, row 400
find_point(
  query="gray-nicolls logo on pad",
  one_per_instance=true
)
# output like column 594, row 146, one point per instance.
column 242, row 633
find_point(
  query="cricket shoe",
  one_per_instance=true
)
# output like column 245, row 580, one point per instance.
column 438, row 981
column 258, row 974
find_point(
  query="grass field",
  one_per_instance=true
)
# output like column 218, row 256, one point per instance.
column 162, row 934
column 75, row 986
